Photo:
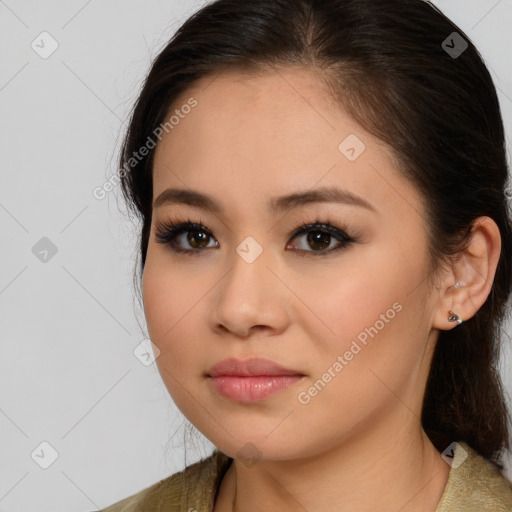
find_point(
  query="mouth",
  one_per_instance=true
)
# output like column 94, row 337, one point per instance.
column 252, row 389
column 255, row 367
column 251, row 380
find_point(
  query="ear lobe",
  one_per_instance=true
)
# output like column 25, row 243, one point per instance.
column 466, row 287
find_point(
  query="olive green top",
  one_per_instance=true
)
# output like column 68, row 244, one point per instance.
column 474, row 485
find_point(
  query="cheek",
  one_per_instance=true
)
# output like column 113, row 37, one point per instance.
column 367, row 316
column 175, row 316
column 375, row 343
column 158, row 302
column 169, row 300
column 341, row 301
column 164, row 306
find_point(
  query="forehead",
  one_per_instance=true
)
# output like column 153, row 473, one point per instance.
column 263, row 134
column 256, row 112
column 245, row 111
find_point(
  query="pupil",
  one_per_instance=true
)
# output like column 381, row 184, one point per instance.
column 316, row 237
column 195, row 237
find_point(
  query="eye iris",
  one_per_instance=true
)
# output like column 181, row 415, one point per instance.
column 316, row 237
column 197, row 236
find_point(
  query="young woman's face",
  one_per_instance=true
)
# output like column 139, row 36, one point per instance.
column 354, row 318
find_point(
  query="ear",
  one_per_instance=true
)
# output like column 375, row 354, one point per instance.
column 468, row 281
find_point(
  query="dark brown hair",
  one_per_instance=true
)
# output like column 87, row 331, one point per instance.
column 439, row 113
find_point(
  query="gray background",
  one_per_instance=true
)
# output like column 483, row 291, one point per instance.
column 69, row 326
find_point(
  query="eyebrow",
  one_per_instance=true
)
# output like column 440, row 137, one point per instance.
column 276, row 204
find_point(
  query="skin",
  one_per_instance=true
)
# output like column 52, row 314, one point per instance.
column 358, row 444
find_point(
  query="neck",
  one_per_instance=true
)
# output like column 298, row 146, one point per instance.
column 391, row 470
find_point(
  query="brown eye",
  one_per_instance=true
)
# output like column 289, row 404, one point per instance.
column 319, row 238
column 197, row 236
column 197, row 239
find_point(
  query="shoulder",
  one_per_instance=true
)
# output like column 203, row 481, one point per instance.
column 475, row 484
column 193, row 488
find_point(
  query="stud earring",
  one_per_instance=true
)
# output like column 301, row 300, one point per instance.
column 454, row 317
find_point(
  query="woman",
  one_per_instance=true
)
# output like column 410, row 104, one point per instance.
column 326, row 254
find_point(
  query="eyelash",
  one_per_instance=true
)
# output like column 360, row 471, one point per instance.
column 166, row 233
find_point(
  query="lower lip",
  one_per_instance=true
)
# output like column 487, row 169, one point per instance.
column 252, row 389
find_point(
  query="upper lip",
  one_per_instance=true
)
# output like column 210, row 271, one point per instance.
column 249, row 367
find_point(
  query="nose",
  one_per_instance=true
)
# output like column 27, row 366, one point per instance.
column 250, row 298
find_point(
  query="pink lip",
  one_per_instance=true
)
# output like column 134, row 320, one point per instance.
column 251, row 380
column 252, row 389
column 250, row 367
